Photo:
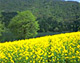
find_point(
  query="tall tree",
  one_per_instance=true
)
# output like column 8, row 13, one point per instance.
column 24, row 25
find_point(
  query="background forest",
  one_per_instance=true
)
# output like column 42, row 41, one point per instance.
column 52, row 16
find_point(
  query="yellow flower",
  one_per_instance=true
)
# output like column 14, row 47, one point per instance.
column 12, row 61
column 73, row 56
column 33, row 61
column 26, row 58
column 53, row 60
column 42, row 49
column 66, row 57
column 78, row 46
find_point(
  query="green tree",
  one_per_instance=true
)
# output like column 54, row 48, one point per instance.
column 2, row 28
column 24, row 25
column 79, row 28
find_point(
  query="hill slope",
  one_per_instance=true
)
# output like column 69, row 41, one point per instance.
column 40, row 8
column 64, row 14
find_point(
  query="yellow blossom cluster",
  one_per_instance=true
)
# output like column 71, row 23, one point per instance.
column 60, row 48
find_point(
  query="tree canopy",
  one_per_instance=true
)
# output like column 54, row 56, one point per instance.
column 24, row 25
column 2, row 28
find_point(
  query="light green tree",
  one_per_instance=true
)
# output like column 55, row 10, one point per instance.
column 24, row 25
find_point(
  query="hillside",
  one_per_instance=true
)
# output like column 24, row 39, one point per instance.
column 52, row 15
column 49, row 49
column 7, row 5
column 44, row 10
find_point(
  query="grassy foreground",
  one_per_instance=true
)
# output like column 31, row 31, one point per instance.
column 60, row 48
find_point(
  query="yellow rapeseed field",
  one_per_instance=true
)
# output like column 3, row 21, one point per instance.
column 60, row 48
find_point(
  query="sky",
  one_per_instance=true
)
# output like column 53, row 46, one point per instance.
column 73, row 0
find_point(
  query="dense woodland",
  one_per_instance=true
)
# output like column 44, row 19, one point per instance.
column 52, row 16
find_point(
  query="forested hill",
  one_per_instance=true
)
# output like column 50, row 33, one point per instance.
column 59, row 12
column 15, row 5
column 52, row 15
column 41, row 7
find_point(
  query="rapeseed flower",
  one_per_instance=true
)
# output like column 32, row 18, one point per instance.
column 56, row 49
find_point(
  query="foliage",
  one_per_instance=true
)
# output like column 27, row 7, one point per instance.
column 2, row 28
column 24, row 25
column 79, row 28
column 52, row 15
column 61, row 48
column 7, row 36
column 7, row 16
column 49, row 13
